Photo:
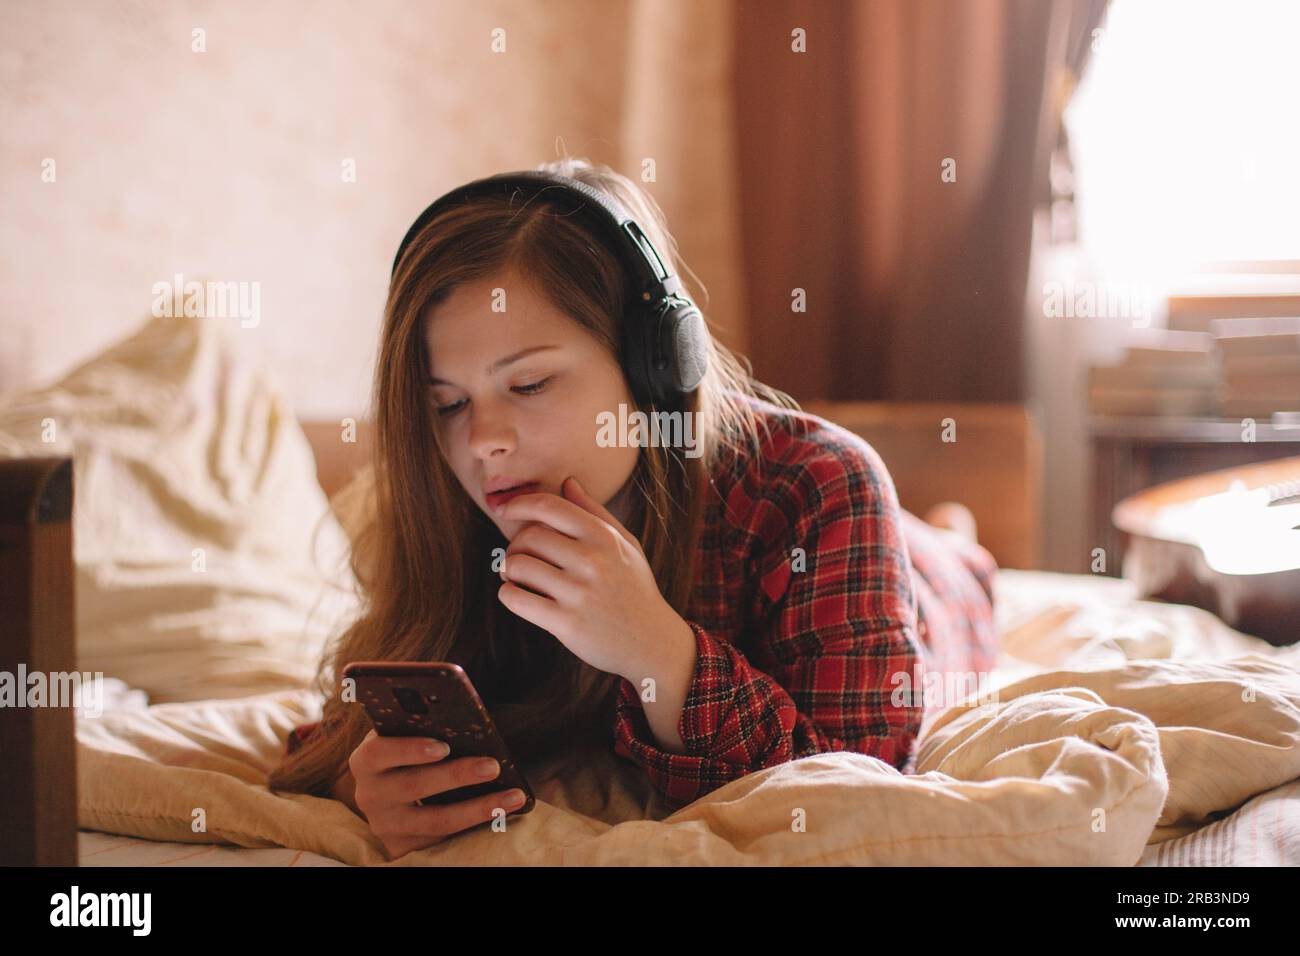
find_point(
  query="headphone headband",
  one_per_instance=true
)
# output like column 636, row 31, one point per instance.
column 623, row 234
column 665, row 347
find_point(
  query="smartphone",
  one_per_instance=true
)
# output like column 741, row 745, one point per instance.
column 436, row 699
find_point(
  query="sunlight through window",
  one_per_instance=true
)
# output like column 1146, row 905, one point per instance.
column 1184, row 136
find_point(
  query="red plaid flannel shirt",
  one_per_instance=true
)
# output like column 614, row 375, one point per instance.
column 800, row 651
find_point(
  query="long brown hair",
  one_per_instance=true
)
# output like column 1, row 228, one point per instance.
column 423, row 559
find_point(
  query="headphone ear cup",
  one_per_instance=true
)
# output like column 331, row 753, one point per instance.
column 667, row 352
column 680, row 355
column 687, row 348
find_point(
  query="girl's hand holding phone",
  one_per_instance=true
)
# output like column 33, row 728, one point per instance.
column 393, row 773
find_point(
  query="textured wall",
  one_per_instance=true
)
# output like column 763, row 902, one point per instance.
column 228, row 164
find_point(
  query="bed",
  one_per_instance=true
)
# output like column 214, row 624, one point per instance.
column 205, row 531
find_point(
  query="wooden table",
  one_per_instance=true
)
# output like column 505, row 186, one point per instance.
column 1130, row 454
column 1227, row 541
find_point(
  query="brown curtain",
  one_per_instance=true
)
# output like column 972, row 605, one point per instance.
column 915, row 286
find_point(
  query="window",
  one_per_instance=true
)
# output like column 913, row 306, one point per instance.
column 1184, row 139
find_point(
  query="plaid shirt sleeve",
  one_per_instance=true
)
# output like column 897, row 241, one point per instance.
column 831, row 637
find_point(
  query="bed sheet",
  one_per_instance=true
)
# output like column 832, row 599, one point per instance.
column 1145, row 692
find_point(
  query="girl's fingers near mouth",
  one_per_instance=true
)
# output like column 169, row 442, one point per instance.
column 532, row 574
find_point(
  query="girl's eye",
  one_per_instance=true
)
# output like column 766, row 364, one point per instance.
column 448, row 410
column 534, row 388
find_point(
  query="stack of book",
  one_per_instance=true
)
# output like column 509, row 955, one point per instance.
column 1164, row 374
column 1261, row 366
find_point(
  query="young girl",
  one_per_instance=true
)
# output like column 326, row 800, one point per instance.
column 765, row 583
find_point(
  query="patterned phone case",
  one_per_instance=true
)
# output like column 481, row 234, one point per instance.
column 415, row 699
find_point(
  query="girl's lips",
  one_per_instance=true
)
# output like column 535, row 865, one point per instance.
column 498, row 498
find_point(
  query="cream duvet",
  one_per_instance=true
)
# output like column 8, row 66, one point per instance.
column 1067, row 767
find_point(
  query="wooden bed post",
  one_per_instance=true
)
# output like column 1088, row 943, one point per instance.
column 38, row 750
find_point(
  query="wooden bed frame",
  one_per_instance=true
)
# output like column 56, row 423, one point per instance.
column 990, row 459
column 994, row 468
column 38, row 801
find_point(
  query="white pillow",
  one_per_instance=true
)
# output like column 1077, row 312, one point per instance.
column 208, row 561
